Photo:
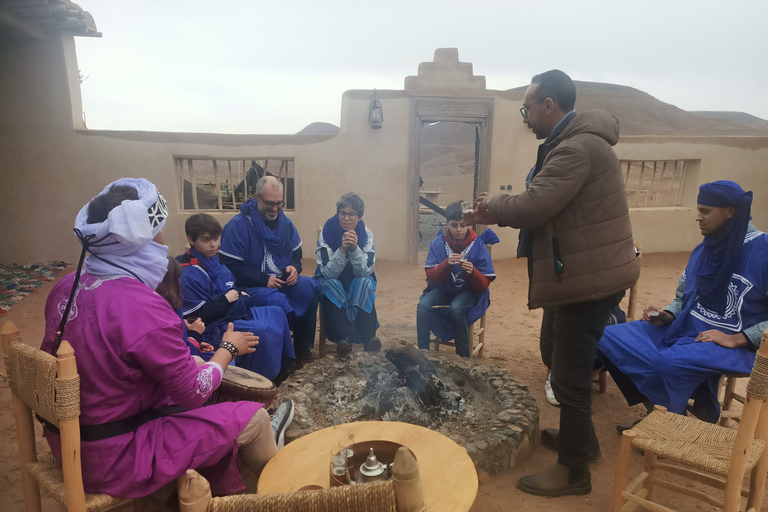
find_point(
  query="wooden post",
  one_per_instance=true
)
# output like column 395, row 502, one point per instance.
column 194, row 492
column 680, row 182
column 730, row 387
column 653, row 180
column 232, row 186
column 649, row 466
column 661, row 184
column 622, row 468
column 245, row 181
column 640, row 184
column 757, row 478
column 216, row 179
column 24, row 427
column 70, row 435
column 744, row 436
column 407, row 482
column 471, row 336
column 192, row 181
column 178, row 163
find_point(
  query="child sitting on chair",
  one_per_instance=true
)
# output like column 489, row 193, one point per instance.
column 170, row 289
column 459, row 271
column 208, row 292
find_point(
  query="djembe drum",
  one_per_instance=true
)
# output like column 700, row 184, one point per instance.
column 240, row 384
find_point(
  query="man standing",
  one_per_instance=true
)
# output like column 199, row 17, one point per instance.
column 263, row 250
column 576, row 234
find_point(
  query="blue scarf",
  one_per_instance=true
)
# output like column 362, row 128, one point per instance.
column 333, row 232
column 212, row 266
column 721, row 254
column 279, row 241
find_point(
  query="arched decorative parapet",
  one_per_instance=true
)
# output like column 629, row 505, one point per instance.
column 445, row 72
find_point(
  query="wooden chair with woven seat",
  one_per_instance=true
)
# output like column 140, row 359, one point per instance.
column 727, row 389
column 400, row 494
column 713, row 455
column 50, row 387
column 475, row 349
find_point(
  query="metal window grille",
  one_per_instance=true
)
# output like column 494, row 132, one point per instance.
column 653, row 182
column 210, row 183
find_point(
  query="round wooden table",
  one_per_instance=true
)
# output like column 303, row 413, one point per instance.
column 448, row 476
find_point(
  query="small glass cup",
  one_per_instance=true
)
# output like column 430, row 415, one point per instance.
column 348, row 452
column 467, row 207
column 339, row 471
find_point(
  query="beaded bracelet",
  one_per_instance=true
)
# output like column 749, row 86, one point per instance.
column 228, row 345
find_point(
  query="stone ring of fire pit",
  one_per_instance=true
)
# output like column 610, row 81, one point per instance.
column 478, row 405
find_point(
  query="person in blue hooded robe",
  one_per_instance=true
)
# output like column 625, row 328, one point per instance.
column 459, row 271
column 345, row 258
column 262, row 249
column 715, row 323
column 208, row 292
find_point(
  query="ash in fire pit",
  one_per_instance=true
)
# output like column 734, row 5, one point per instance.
column 478, row 405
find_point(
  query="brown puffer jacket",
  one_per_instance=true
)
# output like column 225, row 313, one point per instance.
column 577, row 208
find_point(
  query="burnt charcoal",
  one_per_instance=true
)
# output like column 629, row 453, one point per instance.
column 409, row 357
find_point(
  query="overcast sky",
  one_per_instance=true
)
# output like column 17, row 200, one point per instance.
column 237, row 66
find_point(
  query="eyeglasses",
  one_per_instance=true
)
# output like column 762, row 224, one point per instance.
column 270, row 204
column 525, row 108
column 349, row 215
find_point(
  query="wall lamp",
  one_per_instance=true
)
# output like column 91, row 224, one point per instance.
column 375, row 114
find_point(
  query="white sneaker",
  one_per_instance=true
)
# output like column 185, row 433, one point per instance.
column 549, row 392
column 280, row 420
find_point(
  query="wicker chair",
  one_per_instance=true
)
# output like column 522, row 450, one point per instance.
column 401, row 494
column 727, row 389
column 50, row 387
column 475, row 349
column 710, row 454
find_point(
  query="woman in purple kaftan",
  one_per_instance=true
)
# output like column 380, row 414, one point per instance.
column 131, row 358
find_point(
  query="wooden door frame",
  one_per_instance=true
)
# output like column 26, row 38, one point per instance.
column 433, row 109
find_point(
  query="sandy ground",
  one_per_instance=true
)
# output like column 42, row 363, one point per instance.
column 512, row 343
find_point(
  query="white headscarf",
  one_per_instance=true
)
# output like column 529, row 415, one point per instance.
column 123, row 244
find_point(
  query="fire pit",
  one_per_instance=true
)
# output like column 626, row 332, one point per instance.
column 478, row 405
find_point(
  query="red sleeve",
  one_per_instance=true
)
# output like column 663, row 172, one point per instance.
column 439, row 273
column 478, row 281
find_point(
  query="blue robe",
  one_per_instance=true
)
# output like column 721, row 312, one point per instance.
column 356, row 267
column 207, row 279
column 667, row 364
column 478, row 255
column 246, row 238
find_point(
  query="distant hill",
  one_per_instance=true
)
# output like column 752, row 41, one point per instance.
column 319, row 129
column 641, row 114
column 735, row 117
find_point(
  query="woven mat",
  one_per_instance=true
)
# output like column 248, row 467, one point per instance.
column 18, row 281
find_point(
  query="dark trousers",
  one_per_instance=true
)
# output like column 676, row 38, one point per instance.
column 338, row 327
column 569, row 336
column 460, row 305
column 303, row 298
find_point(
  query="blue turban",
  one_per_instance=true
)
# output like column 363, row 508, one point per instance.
column 722, row 253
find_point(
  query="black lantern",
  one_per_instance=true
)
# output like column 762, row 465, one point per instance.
column 375, row 115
